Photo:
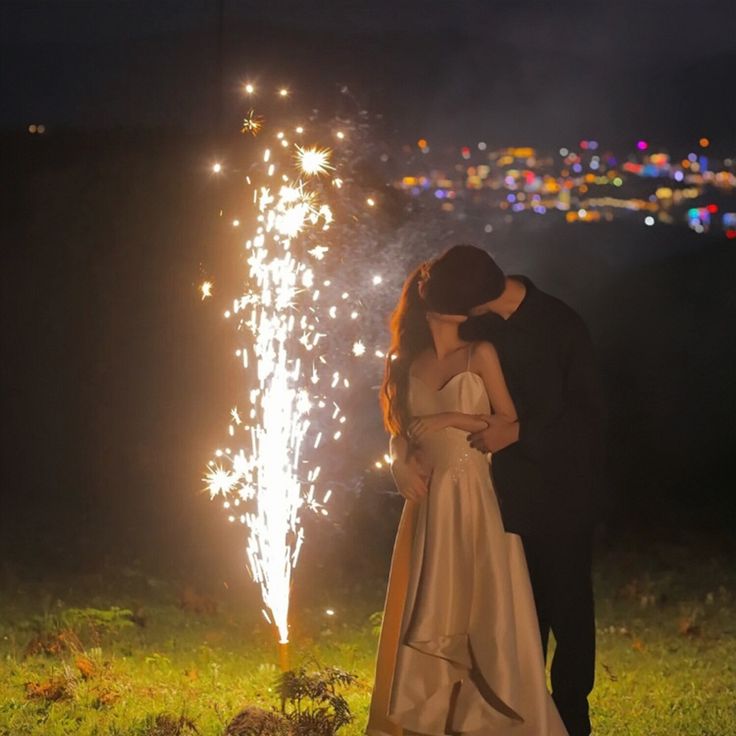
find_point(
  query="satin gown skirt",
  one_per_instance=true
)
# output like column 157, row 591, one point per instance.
column 459, row 651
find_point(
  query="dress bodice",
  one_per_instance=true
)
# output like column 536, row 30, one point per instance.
column 465, row 392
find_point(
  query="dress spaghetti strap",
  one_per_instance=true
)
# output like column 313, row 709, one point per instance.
column 470, row 353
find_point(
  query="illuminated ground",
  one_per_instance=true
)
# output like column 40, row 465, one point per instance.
column 666, row 650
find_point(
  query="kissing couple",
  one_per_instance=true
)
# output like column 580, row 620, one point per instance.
column 492, row 400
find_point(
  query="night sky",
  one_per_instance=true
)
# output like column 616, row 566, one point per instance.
column 544, row 72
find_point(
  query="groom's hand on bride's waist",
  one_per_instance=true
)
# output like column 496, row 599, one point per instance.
column 499, row 434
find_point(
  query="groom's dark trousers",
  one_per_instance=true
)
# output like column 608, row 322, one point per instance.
column 548, row 482
column 560, row 572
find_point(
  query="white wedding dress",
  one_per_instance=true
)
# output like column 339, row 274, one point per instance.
column 460, row 650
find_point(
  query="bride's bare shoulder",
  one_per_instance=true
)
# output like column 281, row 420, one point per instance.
column 483, row 350
column 483, row 356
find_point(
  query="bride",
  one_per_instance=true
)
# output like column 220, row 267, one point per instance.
column 460, row 649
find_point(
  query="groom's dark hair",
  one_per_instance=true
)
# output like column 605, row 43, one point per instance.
column 462, row 278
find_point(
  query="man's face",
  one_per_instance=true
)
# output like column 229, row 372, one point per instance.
column 495, row 305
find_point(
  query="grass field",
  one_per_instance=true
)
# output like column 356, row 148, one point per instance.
column 71, row 664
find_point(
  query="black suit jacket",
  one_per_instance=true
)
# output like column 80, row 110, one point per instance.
column 551, row 479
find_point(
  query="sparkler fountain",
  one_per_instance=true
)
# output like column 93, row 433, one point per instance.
column 300, row 318
column 264, row 484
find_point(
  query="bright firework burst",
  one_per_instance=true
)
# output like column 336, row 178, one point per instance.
column 313, row 161
column 205, row 289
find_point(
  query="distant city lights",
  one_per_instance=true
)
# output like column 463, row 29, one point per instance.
column 516, row 180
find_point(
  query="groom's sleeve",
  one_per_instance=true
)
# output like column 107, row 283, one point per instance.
column 574, row 430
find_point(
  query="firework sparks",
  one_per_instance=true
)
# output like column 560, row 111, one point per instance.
column 313, row 161
column 252, row 123
column 220, row 480
column 205, row 289
column 295, row 327
column 266, row 478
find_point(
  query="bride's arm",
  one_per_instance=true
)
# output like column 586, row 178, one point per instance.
column 485, row 359
column 503, row 422
column 436, row 422
column 398, row 448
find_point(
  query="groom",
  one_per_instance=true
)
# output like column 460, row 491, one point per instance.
column 546, row 466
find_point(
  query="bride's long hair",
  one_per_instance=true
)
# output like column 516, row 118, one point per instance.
column 410, row 334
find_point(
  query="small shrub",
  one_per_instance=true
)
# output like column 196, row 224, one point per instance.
column 55, row 687
column 311, row 702
column 164, row 724
column 52, row 688
column 254, row 721
column 54, row 643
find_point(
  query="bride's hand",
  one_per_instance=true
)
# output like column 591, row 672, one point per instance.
column 430, row 423
column 411, row 477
